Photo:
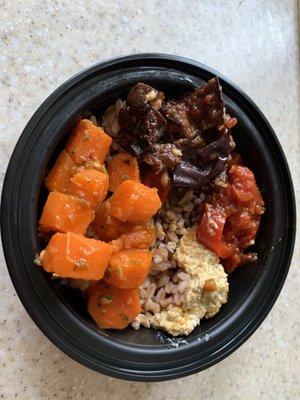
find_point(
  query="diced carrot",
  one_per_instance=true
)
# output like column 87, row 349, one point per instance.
column 105, row 226
column 74, row 256
column 93, row 165
column 58, row 178
column 90, row 185
column 111, row 307
column 121, row 168
column 128, row 268
column 117, row 244
column 88, row 143
column 63, row 213
column 134, row 237
column 138, row 236
column 129, row 236
column 134, row 202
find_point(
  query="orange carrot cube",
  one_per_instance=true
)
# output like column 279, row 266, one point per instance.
column 122, row 167
column 90, row 185
column 63, row 213
column 69, row 255
column 88, row 143
column 138, row 236
column 58, row 178
column 134, row 237
column 128, row 268
column 134, row 202
column 111, row 307
column 105, row 226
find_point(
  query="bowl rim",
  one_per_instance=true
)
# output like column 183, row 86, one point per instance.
column 7, row 185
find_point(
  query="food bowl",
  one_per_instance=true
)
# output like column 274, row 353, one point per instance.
column 144, row 355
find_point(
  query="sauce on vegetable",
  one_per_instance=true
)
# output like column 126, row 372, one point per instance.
column 231, row 218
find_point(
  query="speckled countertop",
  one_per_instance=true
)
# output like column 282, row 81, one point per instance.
column 255, row 43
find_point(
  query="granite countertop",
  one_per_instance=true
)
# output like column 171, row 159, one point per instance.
column 254, row 43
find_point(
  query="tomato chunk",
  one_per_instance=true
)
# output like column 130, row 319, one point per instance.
column 231, row 217
column 211, row 229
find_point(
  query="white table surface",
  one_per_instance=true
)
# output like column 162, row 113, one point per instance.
column 254, row 43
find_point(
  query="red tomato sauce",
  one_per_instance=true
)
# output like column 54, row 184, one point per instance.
column 231, row 218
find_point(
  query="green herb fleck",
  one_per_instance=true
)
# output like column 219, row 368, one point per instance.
column 103, row 169
column 126, row 318
column 119, row 271
column 80, row 264
column 82, row 202
column 108, row 298
column 37, row 260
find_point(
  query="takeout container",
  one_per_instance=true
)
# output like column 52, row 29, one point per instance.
column 144, row 355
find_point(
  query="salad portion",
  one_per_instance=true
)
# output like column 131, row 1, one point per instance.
column 150, row 208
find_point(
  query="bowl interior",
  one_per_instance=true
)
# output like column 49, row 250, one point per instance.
column 252, row 150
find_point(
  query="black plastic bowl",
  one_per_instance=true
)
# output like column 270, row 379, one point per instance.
column 144, row 355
